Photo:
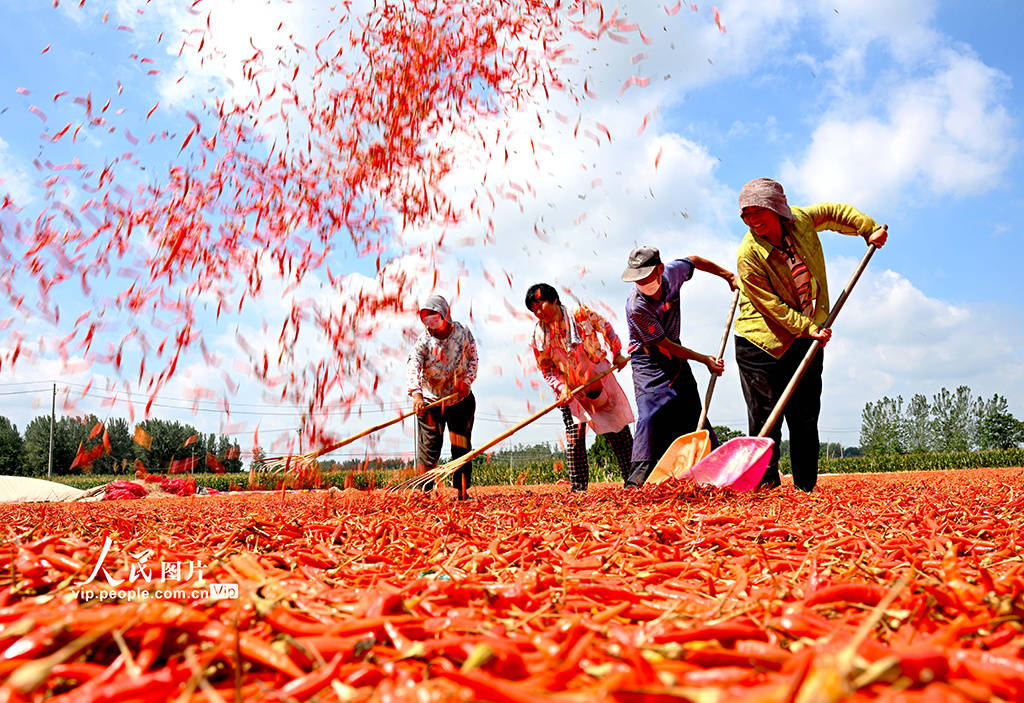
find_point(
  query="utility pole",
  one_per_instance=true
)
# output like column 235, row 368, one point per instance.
column 53, row 412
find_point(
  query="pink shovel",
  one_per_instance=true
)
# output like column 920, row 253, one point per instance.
column 741, row 462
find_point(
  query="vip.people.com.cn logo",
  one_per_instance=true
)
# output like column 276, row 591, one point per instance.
column 140, row 570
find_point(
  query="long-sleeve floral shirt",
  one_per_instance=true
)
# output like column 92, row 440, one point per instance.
column 435, row 365
column 571, row 354
column 554, row 346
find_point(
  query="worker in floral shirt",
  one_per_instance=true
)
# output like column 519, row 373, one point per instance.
column 442, row 362
column 567, row 346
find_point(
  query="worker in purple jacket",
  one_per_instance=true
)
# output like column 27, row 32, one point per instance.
column 667, row 400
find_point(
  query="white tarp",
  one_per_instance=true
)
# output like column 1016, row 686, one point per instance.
column 21, row 489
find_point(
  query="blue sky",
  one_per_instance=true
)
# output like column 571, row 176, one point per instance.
column 910, row 111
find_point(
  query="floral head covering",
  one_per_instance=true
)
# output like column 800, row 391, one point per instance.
column 766, row 193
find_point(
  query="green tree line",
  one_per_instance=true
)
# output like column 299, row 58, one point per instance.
column 952, row 421
column 28, row 454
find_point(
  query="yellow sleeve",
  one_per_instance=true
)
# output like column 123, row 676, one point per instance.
column 841, row 218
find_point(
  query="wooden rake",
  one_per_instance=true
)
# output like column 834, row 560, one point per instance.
column 304, row 462
column 440, row 473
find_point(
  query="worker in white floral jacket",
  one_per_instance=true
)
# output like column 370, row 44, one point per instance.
column 567, row 346
column 443, row 361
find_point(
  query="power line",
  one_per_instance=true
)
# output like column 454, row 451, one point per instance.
column 368, row 407
column 363, row 407
column 192, row 406
column 351, row 412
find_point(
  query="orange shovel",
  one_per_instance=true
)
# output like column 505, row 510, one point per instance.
column 689, row 449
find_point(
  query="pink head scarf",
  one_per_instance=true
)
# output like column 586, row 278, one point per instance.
column 766, row 193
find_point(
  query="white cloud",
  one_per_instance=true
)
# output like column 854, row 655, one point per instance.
column 215, row 59
column 861, row 29
column 683, row 51
column 586, row 231
column 14, row 181
column 891, row 339
column 946, row 134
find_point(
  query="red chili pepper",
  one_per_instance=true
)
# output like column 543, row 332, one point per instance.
column 76, row 671
column 44, row 541
column 642, row 612
column 924, row 667
column 1003, row 675
column 29, row 566
column 161, row 683
column 252, row 647
column 88, row 689
column 528, row 627
column 364, row 675
column 488, row 688
column 284, row 621
column 726, row 633
column 864, row 593
column 609, row 613
column 33, row 644
column 1002, row 635
column 312, row 683
column 943, row 598
column 66, row 563
column 719, row 656
column 150, row 646
column 798, row 623
column 328, row 646
column 719, row 676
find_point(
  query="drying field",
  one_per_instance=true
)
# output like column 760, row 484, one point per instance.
column 895, row 587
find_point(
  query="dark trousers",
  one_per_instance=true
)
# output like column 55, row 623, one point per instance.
column 621, row 443
column 763, row 379
column 664, row 416
column 431, row 424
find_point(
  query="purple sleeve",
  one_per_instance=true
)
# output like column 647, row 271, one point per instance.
column 679, row 272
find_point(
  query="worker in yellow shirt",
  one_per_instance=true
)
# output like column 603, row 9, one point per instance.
column 783, row 303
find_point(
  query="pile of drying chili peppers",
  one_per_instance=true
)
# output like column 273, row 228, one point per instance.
column 897, row 587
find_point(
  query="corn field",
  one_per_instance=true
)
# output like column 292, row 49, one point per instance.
column 917, row 462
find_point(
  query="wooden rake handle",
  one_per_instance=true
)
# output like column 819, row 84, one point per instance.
column 370, row 430
column 809, row 356
column 465, row 458
column 721, row 353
